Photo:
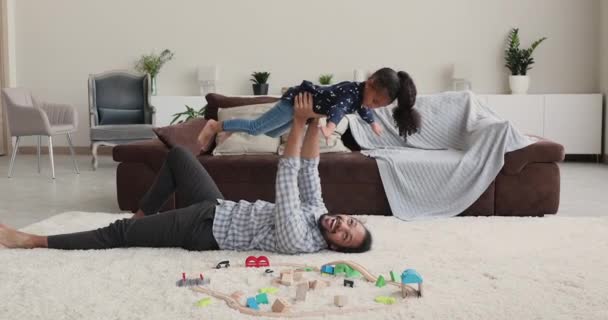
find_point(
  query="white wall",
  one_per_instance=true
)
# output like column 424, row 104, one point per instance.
column 604, row 65
column 60, row 42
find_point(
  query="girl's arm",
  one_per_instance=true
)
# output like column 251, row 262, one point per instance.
column 329, row 129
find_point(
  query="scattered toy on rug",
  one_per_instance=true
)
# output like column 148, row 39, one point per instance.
column 237, row 295
column 286, row 278
column 340, row 301
column 261, row 298
column 295, row 276
column 280, row 305
column 183, row 282
column 269, row 290
column 203, row 302
column 318, row 284
column 301, row 291
column 257, row 262
column 327, row 269
column 385, row 300
column 252, row 303
column 393, row 277
column 410, row 276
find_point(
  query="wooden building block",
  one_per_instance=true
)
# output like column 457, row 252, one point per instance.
column 301, row 291
column 280, row 305
column 340, row 301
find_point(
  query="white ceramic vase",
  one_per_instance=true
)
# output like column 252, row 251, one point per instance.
column 519, row 84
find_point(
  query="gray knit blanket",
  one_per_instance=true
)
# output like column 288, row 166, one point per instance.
column 445, row 167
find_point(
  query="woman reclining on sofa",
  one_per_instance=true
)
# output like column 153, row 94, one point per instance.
column 297, row 223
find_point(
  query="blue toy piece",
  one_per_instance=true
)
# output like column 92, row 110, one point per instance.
column 252, row 303
column 327, row 269
column 411, row 276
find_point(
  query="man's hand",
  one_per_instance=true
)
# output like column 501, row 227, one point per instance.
column 377, row 129
column 302, row 107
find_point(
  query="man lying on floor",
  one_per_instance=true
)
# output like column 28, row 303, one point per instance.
column 297, row 223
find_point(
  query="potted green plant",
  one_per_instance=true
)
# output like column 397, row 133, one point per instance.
column 260, row 83
column 325, row 79
column 189, row 114
column 152, row 63
column 519, row 62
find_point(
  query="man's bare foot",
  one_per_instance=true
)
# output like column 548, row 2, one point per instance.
column 206, row 136
column 11, row 238
column 138, row 215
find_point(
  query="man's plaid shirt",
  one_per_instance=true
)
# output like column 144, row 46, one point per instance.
column 289, row 226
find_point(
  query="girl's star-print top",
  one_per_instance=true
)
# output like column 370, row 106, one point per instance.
column 334, row 101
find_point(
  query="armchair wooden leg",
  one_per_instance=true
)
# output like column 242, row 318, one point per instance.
column 69, row 136
column 51, row 157
column 10, row 166
column 94, row 152
column 38, row 151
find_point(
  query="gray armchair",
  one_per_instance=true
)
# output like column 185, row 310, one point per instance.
column 28, row 117
column 120, row 110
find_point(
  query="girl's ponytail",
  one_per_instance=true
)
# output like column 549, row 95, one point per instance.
column 406, row 118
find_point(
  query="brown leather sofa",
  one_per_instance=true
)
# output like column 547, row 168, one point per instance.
column 528, row 184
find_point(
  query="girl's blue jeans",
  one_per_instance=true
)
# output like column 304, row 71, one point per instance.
column 273, row 123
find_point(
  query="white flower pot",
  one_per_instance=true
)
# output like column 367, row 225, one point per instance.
column 519, row 84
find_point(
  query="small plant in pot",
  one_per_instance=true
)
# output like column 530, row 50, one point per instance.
column 519, row 62
column 260, row 83
column 326, row 79
column 189, row 114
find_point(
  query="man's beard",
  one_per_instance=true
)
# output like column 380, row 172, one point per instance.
column 324, row 231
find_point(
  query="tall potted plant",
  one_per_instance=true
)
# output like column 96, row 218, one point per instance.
column 260, row 83
column 519, row 62
column 152, row 63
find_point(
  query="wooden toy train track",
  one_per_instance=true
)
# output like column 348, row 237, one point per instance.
column 234, row 304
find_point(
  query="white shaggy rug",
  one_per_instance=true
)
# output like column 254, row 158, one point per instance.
column 473, row 268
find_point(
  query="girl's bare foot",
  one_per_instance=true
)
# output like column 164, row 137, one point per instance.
column 206, row 136
column 11, row 238
column 223, row 136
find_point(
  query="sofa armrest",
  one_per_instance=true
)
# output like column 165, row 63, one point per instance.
column 542, row 151
column 151, row 152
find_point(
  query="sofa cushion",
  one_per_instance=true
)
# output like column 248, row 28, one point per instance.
column 116, row 132
column 120, row 116
column 217, row 101
column 184, row 134
column 242, row 143
column 331, row 145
